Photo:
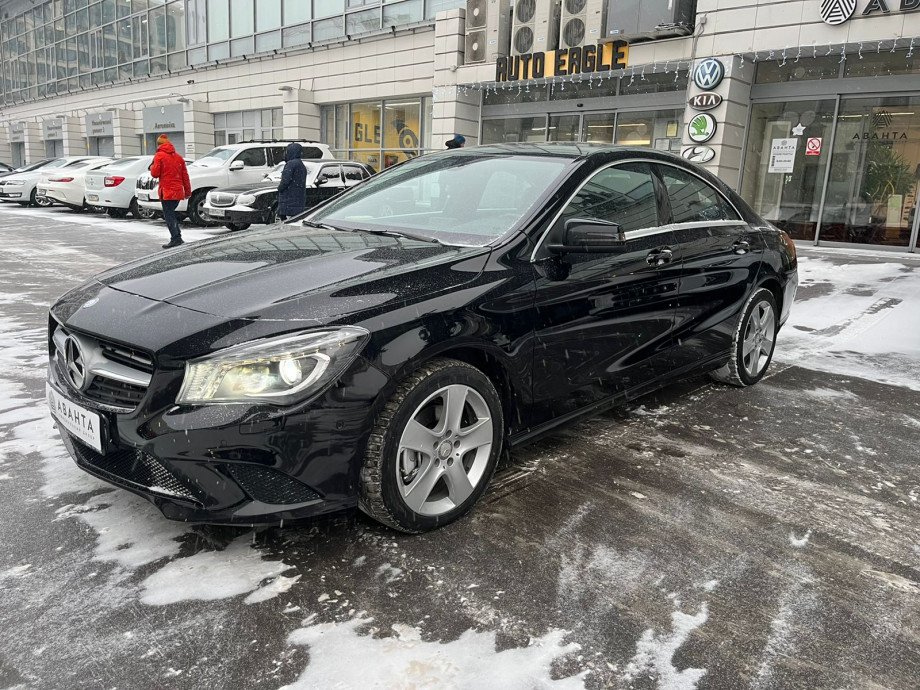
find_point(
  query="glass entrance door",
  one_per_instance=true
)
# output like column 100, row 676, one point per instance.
column 874, row 181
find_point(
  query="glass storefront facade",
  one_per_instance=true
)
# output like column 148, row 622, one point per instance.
column 378, row 133
column 245, row 125
column 55, row 46
column 854, row 172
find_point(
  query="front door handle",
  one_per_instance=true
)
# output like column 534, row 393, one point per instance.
column 741, row 247
column 659, row 257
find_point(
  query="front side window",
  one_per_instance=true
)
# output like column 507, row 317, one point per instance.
column 448, row 197
column 691, row 199
column 215, row 157
column 330, row 175
column 621, row 194
column 252, row 158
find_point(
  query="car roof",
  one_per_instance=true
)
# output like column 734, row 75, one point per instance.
column 243, row 144
column 571, row 150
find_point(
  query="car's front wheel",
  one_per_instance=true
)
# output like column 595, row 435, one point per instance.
column 753, row 342
column 196, row 212
column 433, row 448
column 237, row 226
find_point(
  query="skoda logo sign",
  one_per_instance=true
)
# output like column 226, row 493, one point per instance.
column 836, row 12
column 708, row 73
column 73, row 359
column 701, row 128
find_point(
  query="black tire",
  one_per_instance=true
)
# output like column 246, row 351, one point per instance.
column 195, row 211
column 117, row 213
column 237, row 226
column 24, row 204
column 31, row 201
column 735, row 372
column 379, row 495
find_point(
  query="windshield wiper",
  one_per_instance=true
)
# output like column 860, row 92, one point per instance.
column 321, row 226
column 406, row 235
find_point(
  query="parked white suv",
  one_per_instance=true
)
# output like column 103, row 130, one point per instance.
column 225, row 166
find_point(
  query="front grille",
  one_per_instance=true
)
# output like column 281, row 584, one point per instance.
column 222, row 199
column 270, row 486
column 136, row 468
column 115, row 393
column 116, row 375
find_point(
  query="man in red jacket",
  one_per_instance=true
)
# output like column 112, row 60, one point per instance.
column 169, row 167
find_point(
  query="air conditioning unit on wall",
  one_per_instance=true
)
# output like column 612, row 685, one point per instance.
column 581, row 22
column 535, row 26
column 488, row 31
column 649, row 19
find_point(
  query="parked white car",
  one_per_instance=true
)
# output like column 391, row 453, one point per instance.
column 67, row 185
column 225, row 166
column 21, row 187
column 112, row 187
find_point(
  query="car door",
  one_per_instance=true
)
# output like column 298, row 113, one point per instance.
column 604, row 320
column 328, row 183
column 255, row 165
column 720, row 257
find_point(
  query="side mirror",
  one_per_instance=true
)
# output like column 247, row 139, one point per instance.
column 589, row 235
column 237, row 165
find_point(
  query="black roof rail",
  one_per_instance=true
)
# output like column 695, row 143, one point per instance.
column 278, row 141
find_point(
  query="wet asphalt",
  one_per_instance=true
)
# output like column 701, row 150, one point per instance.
column 768, row 536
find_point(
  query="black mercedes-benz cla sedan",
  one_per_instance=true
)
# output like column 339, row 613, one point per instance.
column 383, row 352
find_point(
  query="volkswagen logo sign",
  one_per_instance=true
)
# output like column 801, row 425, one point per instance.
column 73, row 360
column 708, row 73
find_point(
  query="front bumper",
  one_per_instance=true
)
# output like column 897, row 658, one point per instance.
column 231, row 465
column 11, row 194
column 237, row 214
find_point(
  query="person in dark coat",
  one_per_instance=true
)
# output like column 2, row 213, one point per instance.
column 292, row 191
column 457, row 142
column 169, row 168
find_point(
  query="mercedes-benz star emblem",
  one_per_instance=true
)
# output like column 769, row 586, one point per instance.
column 73, row 358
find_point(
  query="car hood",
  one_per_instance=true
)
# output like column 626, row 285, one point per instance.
column 295, row 273
column 24, row 177
column 251, row 187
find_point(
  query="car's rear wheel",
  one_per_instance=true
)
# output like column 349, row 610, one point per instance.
column 32, row 199
column 237, row 226
column 114, row 212
column 753, row 342
column 42, row 201
column 433, row 448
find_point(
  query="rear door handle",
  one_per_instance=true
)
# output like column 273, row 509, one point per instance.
column 659, row 257
column 741, row 247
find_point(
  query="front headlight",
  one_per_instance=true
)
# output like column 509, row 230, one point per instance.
column 246, row 199
column 280, row 371
column 14, row 183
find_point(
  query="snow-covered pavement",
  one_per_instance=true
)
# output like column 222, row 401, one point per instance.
column 703, row 538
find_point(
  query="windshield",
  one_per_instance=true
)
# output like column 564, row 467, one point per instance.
column 215, row 157
column 36, row 166
column 123, row 163
column 466, row 198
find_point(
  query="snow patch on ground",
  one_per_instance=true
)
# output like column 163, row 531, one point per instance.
column 655, row 653
column 799, row 542
column 863, row 322
column 340, row 657
column 211, row 575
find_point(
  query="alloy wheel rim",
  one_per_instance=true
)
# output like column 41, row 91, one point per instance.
column 444, row 450
column 758, row 339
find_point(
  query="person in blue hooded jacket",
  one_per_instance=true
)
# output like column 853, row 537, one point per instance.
column 292, row 191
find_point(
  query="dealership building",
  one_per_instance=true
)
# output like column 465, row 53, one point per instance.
column 811, row 108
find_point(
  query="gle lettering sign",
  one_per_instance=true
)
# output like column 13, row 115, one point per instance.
column 835, row 12
column 603, row 57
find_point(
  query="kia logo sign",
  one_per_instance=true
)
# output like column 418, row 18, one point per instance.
column 708, row 73
column 705, row 101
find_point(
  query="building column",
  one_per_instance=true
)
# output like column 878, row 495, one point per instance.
column 453, row 112
column 731, row 118
column 125, row 133
column 73, row 137
column 199, row 129
column 34, row 144
column 300, row 116
column 6, row 153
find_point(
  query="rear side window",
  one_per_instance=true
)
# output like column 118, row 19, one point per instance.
column 354, row 172
column 254, row 157
column 275, row 155
column 330, row 175
column 311, row 153
column 693, row 200
column 624, row 194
